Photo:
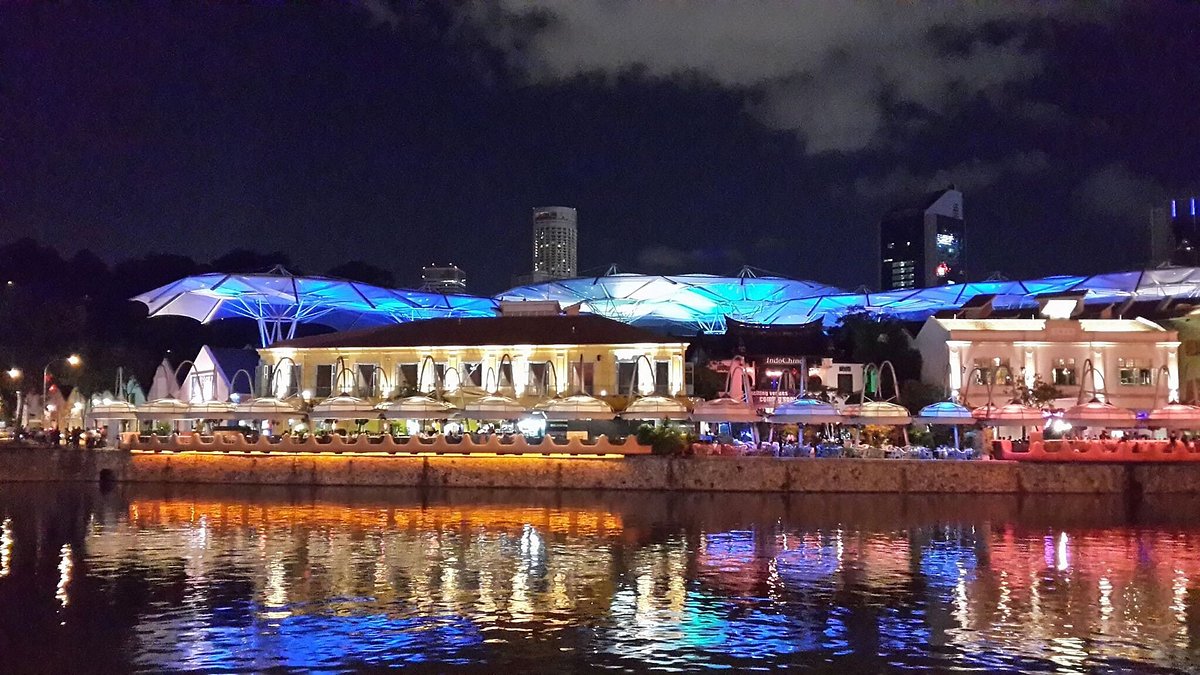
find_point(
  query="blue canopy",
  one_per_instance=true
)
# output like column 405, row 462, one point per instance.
column 279, row 300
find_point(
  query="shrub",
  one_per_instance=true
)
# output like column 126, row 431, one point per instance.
column 665, row 440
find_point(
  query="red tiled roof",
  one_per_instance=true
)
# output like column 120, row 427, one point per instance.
column 583, row 329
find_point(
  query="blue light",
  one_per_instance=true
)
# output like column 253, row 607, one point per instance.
column 1173, row 212
column 1193, row 206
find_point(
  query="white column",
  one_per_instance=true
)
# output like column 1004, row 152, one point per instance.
column 1172, row 372
column 520, row 367
column 1030, row 367
column 955, row 373
column 562, row 372
column 676, row 384
column 645, row 374
column 1101, row 379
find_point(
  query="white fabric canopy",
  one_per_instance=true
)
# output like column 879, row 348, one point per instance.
column 494, row 407
column 725, row 409
column 806, row 411
column 880, row 413
column 164, row 409
column 416, row 408
column 654, row 408
column 343, row 407
column 577, row 407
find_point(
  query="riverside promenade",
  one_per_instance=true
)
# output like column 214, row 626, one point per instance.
column 650, row 473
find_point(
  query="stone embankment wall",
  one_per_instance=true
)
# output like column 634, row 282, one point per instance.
column 751, row 474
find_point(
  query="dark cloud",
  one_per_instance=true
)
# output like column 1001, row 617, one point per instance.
column 830, row 71
column 1115, row 193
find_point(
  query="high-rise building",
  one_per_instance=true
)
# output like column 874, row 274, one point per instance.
column 921, row 242
column 555, row 242
column 1162, row 241
column 443, row 279
column 1185, row 226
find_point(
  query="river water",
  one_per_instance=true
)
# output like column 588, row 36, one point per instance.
column 156, row 578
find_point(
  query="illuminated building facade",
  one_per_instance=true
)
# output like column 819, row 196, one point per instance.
column 445, row 279
column 555, row 242
column 921, row 243
column 1135, row 360
column 1185, row 227
column 519, row 355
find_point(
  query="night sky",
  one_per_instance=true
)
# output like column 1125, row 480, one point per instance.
column 690, row 136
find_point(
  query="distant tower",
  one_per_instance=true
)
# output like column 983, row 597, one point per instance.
column 921, row 242
column 443, row 279
column 1162, row 240
column 555, row 242
column 1185, row 225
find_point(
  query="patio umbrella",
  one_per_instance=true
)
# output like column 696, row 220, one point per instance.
column 343, row 407
column 880, row 413
column 806, row 411
column 1174, row 416
column 945, row 413
column 211, row 410
column 416, row 408
column 114, row 410
column 1009, row 413
column 265, row 408
column 494, row 407
column 577, row 407
column 654, row 407
column 164, row 409
column 1097, row 413
column 725, row 409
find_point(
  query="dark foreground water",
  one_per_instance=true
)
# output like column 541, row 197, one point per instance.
column 238, row 579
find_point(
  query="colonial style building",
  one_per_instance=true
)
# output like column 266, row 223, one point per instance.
column 1136, row 360
column 527, row 351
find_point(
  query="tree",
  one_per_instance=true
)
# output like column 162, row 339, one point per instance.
column 1038, row 395
column 863, row 337
column 915, row 394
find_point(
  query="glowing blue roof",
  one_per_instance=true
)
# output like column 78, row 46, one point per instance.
column 278, row 300
column 694, row 302
column 688, row 301
column 681, row 304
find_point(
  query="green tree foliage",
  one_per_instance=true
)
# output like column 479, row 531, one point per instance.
column 1038, row 395
column 915, row 394
column 665, row 439
column 861, row 337
column 706, row 382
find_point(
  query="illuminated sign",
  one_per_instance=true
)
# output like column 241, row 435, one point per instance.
column 782, row 360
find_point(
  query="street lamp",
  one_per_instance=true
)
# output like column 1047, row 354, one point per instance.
column 14, row 374
column 73, row 360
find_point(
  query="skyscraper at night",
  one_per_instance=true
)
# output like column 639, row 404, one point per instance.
column 555, row 242
column 1185, row 226
column 921, row 242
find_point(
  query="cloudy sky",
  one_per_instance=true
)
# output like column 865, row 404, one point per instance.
column 691, row 136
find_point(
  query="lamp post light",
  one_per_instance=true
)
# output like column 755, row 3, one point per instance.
column 74, row 360
column 14, row 374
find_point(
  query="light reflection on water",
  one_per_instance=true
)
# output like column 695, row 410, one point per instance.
column 235, row 580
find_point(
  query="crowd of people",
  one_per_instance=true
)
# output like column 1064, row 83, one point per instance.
column 76, row 437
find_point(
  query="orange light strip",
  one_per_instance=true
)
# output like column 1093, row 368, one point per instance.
column 357, row 453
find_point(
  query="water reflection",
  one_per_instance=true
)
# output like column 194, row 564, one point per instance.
column 250, row 579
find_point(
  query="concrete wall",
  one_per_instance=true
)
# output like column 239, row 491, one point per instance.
column 752, row 474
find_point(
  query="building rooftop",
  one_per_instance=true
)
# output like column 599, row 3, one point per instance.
column 585, row 329
column 1138, row 325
